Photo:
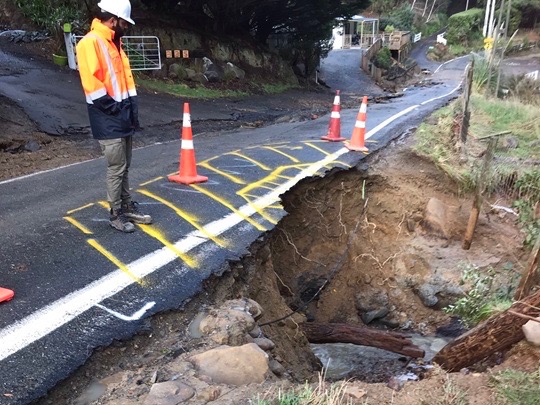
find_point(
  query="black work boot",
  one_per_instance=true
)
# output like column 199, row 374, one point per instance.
column 118, row 220
column 133, row 214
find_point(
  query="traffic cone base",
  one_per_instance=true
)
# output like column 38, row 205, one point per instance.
column 332, row 139
column 176, row 178
column 6, row 294
column 356, row 148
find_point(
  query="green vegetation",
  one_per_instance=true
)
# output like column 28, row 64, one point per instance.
column 383, row 58
column 183, row 90
column 51, row 14
column 321, row 394
column 482, row 300
column 517, row 387
column 465, row 27
column 513, row 174
column 401, row 18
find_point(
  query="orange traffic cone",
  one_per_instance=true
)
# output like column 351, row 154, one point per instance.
column 334, row 129
column 187, row 172
column 6, row 294
column 359, row 131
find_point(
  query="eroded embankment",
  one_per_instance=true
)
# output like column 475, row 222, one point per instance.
column 378, row 246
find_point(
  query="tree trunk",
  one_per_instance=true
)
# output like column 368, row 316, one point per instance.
column 496, row 334
column 359, row 335
column 531, row 273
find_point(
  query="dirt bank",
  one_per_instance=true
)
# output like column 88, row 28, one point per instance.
column 354, row 248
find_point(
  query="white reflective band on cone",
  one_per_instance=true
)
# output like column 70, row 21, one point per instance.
column 363, row 108
column 360, row 124
column 187, row 144
column 336, row 100
column 335, row 114
column 186, row 120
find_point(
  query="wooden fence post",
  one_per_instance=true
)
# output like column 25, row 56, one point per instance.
column 477, row 204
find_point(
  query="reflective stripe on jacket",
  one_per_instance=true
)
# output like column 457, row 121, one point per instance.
column 108, row 84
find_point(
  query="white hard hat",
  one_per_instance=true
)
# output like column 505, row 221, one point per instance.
column 119, row 8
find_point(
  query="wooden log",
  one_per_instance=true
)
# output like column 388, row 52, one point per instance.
column 496, row 334
column 359, row 335
column 531, row 273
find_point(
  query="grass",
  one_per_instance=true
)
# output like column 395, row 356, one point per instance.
column 182, row 90
column 320, row 394
column 517, row 387
column 488, row 116
column 202, row 92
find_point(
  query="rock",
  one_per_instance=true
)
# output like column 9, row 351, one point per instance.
column 169, row 393
column 228, row 326
column 531, row 330
column 277, row 368
column 32, row 146
column 233, row 365
column 209, row 394
column 212, row 71
column 438, row 292
column 435, row 221
column 177, row 71
column 256, row 332
column 395, row 383
column 370, row 316
column 354, row 392
column 372, row 303
column 247, row 305
column 232, row 72
column 264, row 343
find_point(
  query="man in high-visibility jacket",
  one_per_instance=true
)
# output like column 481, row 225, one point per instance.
column 111, row 97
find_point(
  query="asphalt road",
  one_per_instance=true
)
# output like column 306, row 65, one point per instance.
column 79, row 284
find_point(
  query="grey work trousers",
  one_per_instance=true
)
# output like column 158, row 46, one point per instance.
column 117, row 152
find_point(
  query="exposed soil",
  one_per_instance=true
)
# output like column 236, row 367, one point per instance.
column 350, row 236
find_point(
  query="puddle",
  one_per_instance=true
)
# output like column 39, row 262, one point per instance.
column 369, row 364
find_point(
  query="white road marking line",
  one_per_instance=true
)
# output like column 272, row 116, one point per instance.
column 28, row 330
column 136, row 316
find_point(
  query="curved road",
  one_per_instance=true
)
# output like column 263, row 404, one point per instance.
column 79, row 285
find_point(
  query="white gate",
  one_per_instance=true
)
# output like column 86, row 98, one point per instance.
column 143, row 52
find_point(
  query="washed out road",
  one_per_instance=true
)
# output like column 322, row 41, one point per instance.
column 79, row 284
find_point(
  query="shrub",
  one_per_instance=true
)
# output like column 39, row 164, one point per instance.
column 463, row 26
column 383, row 58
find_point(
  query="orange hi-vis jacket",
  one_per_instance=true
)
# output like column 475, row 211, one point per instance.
column 108, row 84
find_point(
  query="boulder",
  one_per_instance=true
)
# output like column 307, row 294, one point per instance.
column 177, row 71
column 169, row 393
column 531, row 330
column 238, row 365
column 435, row 221
column 233, row 72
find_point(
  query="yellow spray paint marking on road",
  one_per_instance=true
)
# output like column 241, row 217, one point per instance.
column 228, row 205
column 255, row 162
column 80, row 208
column 104, row 204
column 259, row 210
column 292, row 158
column 153, row 232
column 189, row 218
column 78, row 225
column 317, row 148
column 150, row 181
column 232, row 178
column 113, row 259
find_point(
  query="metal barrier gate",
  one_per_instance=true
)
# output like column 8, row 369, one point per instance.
column 143, row 52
